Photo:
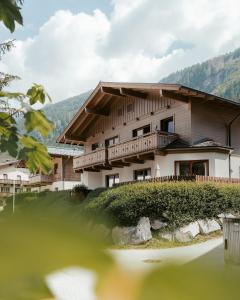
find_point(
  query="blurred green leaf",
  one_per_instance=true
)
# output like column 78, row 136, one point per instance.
column 36, row 120
column 10, row 13
column 35, row 154
column 37, row 94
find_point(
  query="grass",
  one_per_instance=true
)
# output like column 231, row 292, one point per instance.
column 156, row 243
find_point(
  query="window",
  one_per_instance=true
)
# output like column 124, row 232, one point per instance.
column 5, row 176
column 95, row 146
column 167, row 125
column 191, row 168
column 55, row 168
column 112, row 141
column 142, row 174
column 141, row 131
column 5, row 189
column 111, row 180
column 19, row 177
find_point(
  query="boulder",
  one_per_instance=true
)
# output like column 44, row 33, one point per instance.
column 169, row 236
column 225, row 215
column 158, row 224
column 192, row 229
column 208, row 226
column 182, row 237
column 133, row 235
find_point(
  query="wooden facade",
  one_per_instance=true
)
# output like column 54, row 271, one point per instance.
column 106, row 125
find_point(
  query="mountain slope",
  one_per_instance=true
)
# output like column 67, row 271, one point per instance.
column 61, row 113
column 220, row 76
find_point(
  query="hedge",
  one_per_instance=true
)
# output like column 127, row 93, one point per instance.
column 177, row 203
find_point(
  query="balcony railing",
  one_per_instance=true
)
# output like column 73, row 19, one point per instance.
column 72, row 177
column 11, row 182
column 152, row 141
column 41, row 179
column 95, row 158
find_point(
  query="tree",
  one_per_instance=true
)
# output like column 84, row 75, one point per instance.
column 14, row 104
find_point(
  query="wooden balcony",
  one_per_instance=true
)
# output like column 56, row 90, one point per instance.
column 136, row 150
column 12, row 182
column 147, row 144
column 40, row 179
column 95, row 159
column 72, row 177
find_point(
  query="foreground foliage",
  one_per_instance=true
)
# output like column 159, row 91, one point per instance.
column 13, row 105
column 176, row 203
column 46, row 235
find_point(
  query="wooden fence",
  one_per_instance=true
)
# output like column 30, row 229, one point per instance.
column 195, row 178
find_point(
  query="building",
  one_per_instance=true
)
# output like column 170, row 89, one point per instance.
column 134, row 131
column 62, row 176
column 13, row 175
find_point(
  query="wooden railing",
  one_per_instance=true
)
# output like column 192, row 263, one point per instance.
column 11, row 182
column 41, row 179
column 155, row 140
column 90, row 159
column 73, row 177
column 195, row 178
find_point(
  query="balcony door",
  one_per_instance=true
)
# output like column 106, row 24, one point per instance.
column 167, row 125
column 112, row 179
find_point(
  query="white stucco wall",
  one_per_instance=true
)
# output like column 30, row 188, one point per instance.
column 235, row 166
column 13, row 173
column 164, row 166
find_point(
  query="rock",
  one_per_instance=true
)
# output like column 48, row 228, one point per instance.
column 182, row 237
column 133, row 235
column 158, row 224
column 208, row 226
column 169, row 236
column 225, row 215
column 192, row 229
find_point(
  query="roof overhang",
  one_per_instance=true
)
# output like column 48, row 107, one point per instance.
column 98, row 102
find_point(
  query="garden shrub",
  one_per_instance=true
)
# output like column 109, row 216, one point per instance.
column 177, row 203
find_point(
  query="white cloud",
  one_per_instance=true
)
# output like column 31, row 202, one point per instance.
column 142, row 40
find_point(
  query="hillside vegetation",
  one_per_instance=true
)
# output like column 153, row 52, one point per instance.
column 220, row 76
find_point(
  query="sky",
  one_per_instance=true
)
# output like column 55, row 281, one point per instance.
column 71, row 45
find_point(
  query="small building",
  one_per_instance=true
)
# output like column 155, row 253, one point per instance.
column 13, row 175
column 62, row 176
column 137, row 131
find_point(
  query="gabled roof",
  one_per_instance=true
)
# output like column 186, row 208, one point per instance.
column 103, row 93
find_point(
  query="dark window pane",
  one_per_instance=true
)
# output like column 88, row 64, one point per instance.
column 184, row 168
column 95, row 146
column 141, row 131
column 112, row 179
column 167, row 125
column 199, row 168
column 142, row 174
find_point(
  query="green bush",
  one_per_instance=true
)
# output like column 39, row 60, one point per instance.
column 178, row 203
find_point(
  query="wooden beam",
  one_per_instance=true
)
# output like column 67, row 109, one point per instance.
column 174, row 96
column 112, row 91
column 134, row 160
column 119, row 164
column 91, row 170
column 147, row 156
column 133, row 93
column 92, row 111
